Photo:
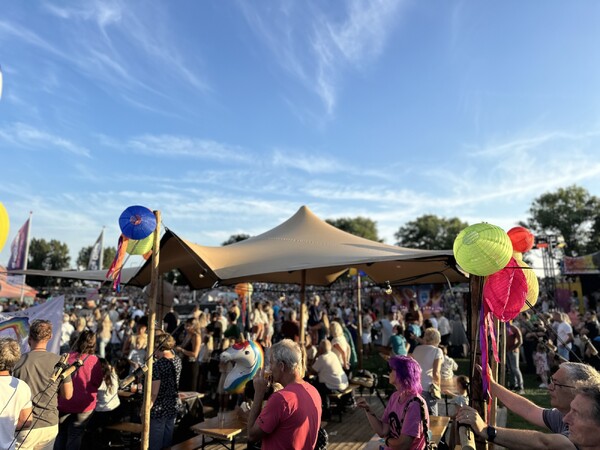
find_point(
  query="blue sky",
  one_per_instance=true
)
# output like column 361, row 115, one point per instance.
column 228, row 116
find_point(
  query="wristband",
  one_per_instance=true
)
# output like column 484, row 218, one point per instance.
column 491, row 433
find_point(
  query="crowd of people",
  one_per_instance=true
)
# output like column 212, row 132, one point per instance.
column 108, row 345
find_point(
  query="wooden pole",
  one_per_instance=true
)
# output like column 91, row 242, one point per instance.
column 303, row 309
column 151, row 327
column 28, row 240
column 359, row 321
column 473, row 308
column 502, row 340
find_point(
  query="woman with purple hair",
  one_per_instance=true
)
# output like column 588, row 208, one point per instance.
column 405, row 413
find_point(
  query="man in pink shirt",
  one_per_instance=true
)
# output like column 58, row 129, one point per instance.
column 292, row 416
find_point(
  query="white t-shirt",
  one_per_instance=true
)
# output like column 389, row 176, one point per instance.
column 108, row 399
column 330, row 371
column 387, row 330
column 443, row 326
column 15, row 395
column 425, row 355
column 343, row 343
column 563, row 330
column 66, row 331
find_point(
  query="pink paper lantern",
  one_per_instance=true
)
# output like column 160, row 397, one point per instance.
column 505, row 291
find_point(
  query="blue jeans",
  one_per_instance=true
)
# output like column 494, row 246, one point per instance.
column 431, row 403
column 564, row 352
column 71, row 428
column 161, row 432
column 512, row 360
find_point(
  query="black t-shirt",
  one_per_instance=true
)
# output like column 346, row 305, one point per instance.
column 168, row 371
column 290, row 330
column 215, row 329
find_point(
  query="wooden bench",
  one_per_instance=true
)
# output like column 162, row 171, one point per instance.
column 191, row 444
column 135, row 429
column 126, row 427
column 339, row 398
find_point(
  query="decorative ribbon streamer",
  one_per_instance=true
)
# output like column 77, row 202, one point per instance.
column 114, row 272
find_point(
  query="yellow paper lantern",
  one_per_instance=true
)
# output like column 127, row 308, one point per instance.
column 482, row 249
column 533, row 285
column 4, row 225
column 140, row 247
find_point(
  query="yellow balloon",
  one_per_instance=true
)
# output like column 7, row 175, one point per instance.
column 4, row 225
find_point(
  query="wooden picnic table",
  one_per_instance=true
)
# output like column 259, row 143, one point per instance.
column 223, row 428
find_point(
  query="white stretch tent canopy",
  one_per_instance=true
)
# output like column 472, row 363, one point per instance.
column 303, row 243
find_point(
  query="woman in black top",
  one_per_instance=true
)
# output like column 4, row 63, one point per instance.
column 164, row 395
column 190, row 347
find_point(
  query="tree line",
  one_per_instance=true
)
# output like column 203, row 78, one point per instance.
column 570, row 212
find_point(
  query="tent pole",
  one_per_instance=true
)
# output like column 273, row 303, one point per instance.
column 151, row 328
column 359, row 321
column 303, row 313
column 303, row 309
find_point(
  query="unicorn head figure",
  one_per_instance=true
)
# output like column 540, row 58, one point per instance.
column 247, row 357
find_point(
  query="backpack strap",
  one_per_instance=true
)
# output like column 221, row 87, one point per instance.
column 423, row 420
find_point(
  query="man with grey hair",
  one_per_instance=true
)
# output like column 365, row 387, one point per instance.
column 562, row 392
column 292, row 415
column 36, row 369
column 583, row 419
column 15, row 395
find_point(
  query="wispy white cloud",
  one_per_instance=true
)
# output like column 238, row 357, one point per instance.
column 8, row 29
column 535, row 141
column 26, row 136
column 317, row 48
column 119, row 46
column 178, row 146
column 308, row 163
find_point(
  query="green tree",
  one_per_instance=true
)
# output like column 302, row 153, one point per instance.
column 108, row 254
column 430, row 232
column 236, row 238
column 571, row 212
column 44, row 255
column 358, row 226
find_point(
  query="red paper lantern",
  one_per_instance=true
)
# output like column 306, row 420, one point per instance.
column 522, row 239
column 505, row 291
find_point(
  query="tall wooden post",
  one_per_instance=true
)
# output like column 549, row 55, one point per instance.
column 303, row 309
column 151, row 328
column 359, row 320
column 473, row 308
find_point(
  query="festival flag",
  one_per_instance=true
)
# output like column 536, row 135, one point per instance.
column 96, row 255
column 18, row 254
column 16, row 324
